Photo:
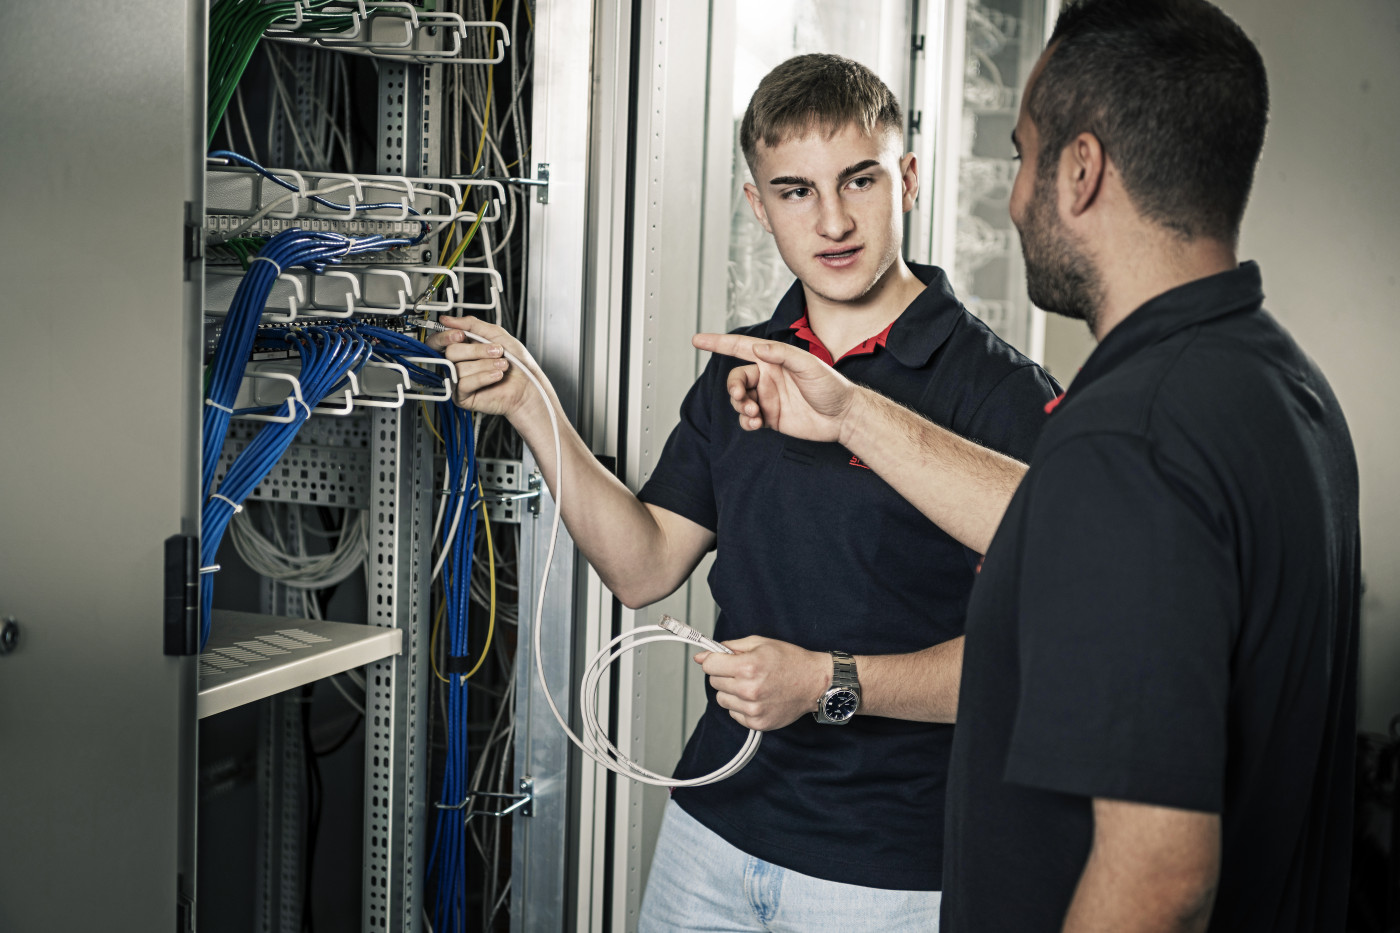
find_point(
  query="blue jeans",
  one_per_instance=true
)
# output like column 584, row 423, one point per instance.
column 700, row 882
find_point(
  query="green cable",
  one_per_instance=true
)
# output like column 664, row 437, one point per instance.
column 236, row 27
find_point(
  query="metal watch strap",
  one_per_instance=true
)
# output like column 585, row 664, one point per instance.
column 843, row 670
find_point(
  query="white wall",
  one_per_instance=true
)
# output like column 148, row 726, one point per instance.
column 1324, row 224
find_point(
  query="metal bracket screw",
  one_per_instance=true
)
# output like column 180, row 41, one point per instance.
column 522, row 803
column 536, row 491
column 536, row 488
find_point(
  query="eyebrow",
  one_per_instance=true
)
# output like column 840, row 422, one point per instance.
column 1015, row 142
column 842, row 176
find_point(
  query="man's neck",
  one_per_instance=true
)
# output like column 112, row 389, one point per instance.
column 1156, row 263
column 841, row 325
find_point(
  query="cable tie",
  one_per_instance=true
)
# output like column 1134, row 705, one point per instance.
column 457, row 664
column 266, row 260
column 213, row 404
column 236, row 507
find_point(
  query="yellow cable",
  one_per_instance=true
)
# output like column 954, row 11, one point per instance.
column 485, row 518
column 485, row 118
column 530, row 19
column 432, row 640
column 491, row 563
column 428, row 417
column 476, row 163
column 462, row 246
column 491, row 617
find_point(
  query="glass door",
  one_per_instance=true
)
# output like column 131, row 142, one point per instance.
column 992, row 46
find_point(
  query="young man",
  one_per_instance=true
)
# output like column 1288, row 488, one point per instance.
column 843, row 604
column 1157, row 712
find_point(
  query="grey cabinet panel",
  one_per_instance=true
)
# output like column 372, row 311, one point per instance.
column 99, row 157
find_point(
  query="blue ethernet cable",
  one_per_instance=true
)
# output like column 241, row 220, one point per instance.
column 327, row 356
column 289, row 249
column 447, row 863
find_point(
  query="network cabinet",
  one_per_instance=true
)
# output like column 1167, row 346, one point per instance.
column 194, row 138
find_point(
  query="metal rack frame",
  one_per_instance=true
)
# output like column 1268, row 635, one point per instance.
column 379, row 461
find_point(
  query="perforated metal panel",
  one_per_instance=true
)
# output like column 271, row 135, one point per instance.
column 395, row 689
column 408, row 134
column 279, row 880
column 280, row 787
column 242, row 653
column 328, row 465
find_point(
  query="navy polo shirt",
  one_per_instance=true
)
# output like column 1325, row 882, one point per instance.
column 1168, row 616
column 815, row 549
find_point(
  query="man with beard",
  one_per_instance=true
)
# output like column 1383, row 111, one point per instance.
column 1158, row 689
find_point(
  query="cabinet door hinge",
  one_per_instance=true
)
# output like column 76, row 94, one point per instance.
column 181, row 595
column 184, row 906
column 194, row 238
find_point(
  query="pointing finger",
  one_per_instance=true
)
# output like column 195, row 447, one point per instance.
column 728, row 345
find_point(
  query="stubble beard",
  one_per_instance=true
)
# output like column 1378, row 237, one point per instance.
column 1060, row 276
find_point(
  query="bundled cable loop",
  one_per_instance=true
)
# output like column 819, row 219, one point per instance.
column 328, row 357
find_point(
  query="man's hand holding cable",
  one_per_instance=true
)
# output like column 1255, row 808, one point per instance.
column 767, row 684
column 485, row 382
column 642, row 552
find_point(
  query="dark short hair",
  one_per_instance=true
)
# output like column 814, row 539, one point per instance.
column 1176, row 94
column 818, row 91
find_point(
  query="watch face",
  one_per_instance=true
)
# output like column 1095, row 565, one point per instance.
column 840, row 705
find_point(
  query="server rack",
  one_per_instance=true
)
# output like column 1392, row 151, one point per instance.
column 100, row 707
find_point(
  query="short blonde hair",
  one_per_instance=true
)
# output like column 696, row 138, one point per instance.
column 817, row 91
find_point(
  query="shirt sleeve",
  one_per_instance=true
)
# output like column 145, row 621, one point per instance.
column 1128, row 607
column 1009, row 419
column 681, row 481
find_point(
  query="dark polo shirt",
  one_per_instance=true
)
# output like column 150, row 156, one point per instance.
column 815, row 549
column 1168, row 616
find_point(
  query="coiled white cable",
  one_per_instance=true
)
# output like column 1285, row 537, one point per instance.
column 594, row 732
column 596, row 744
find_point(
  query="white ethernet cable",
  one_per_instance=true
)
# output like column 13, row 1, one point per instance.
column 596, row 744
column 669, row 630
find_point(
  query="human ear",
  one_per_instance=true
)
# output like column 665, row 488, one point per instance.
column 1083, row 162
column 756, row 203
column 909, row 176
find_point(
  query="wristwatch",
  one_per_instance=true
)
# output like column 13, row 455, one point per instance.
column 842, row 698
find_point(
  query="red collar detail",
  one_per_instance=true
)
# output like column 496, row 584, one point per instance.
column 1054, row 403
column 814, row 345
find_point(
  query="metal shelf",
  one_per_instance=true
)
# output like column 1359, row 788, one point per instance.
column 252, row 656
